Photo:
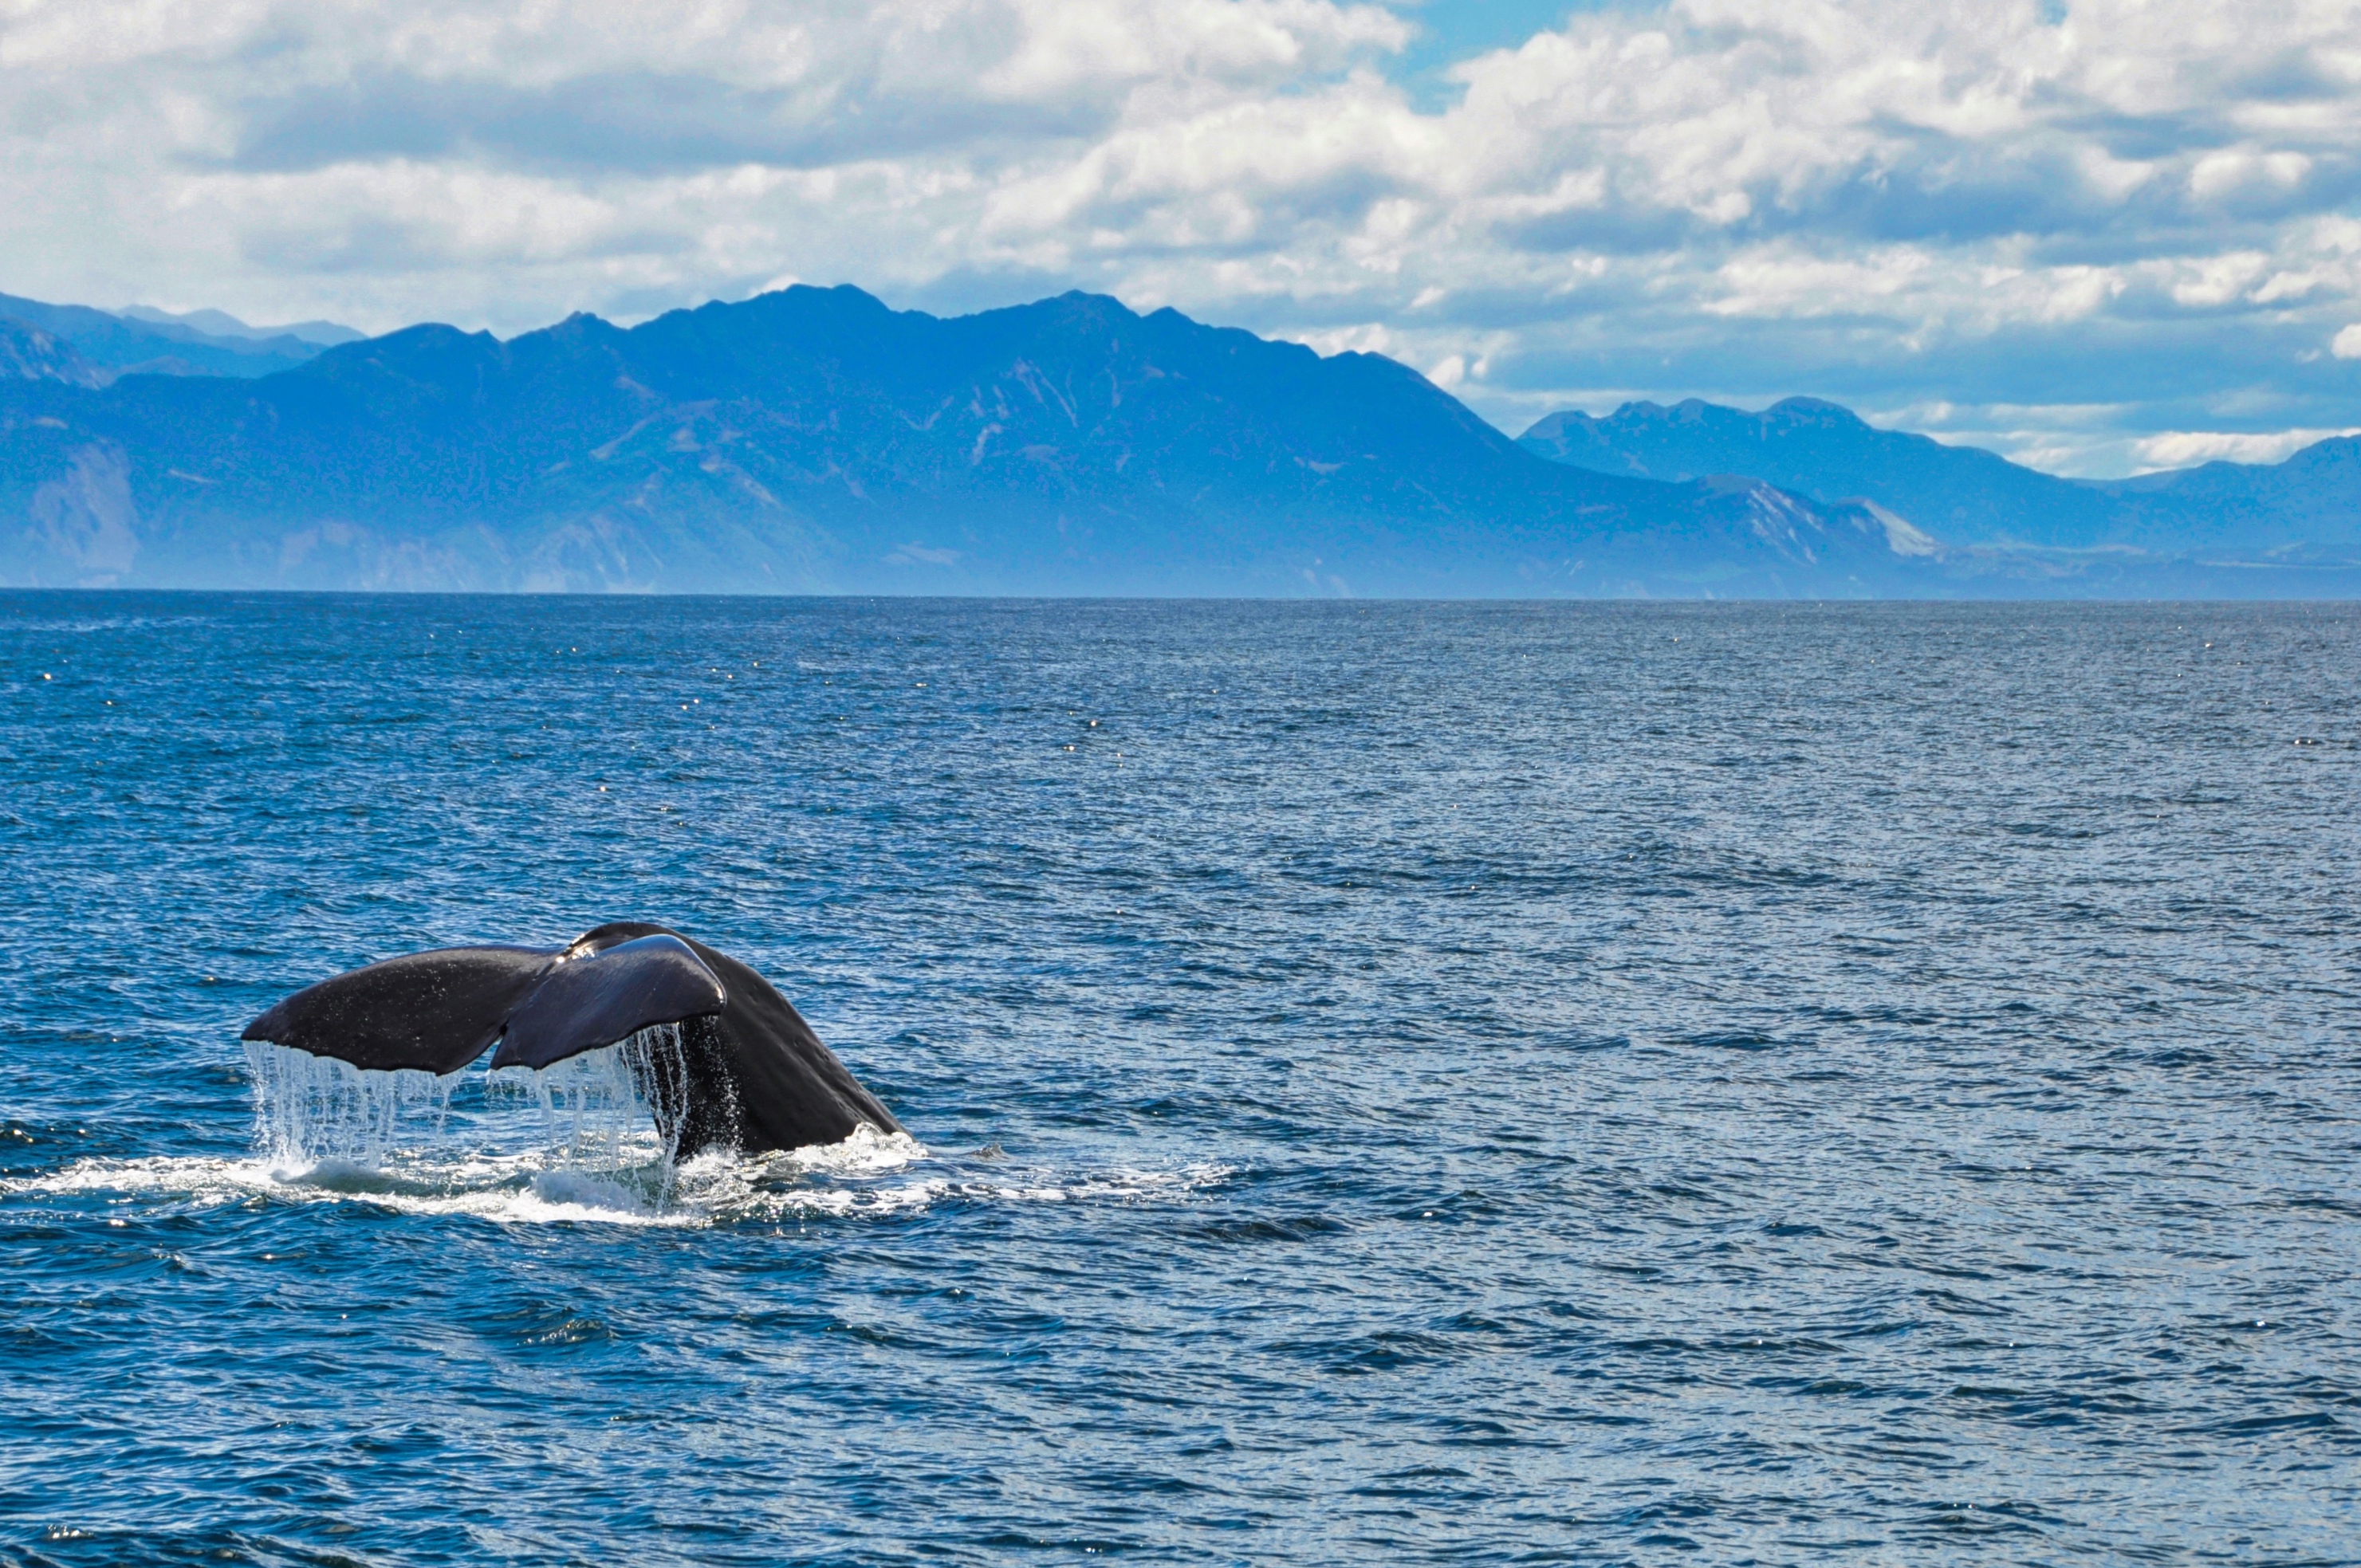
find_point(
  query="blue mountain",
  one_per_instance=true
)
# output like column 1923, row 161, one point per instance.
column 2308, row 506
column 1960, row 494
column 159, row 344
column 1993, row 516
column 28, row 353
column 222, row 325
column 814, row 439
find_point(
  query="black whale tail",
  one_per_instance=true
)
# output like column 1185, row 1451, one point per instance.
column 750, row 1075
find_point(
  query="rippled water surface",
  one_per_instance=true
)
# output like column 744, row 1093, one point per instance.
column 1387, row 1083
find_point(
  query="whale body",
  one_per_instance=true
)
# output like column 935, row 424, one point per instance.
column 748, row 1074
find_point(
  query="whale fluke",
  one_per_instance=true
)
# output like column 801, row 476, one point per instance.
column 434, row 1012
column 607, row 994
column 750, row 1074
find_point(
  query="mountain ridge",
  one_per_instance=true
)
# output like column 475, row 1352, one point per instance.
column 814, row 440
column 28, row 353
column 2307, row 506
column 222, row 325
column 117, row 344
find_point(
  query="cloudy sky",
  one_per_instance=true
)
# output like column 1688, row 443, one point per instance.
column 2099, row 235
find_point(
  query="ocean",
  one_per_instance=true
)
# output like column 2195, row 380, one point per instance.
column 1444, row 1083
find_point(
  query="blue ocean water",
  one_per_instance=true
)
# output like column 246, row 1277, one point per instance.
column 1389, row 1083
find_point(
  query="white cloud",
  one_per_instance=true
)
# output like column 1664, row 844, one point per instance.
column 1736, row 196
column 2221, row 173
column 2187, row 448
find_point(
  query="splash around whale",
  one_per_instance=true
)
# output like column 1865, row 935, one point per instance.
column 720, row 1059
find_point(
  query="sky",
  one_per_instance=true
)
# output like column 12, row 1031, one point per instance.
column 2101, row 236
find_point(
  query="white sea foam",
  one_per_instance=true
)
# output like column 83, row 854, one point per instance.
column 505, row 1190
column 576, row 1142
column 771, row 1189
column 839, row 1181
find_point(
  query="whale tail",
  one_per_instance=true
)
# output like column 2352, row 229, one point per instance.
column 750, row 1074
column 785, row 1089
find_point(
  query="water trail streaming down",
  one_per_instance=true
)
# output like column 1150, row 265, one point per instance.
column 608, row 1111
column 600, row 1108
column 308, row 1109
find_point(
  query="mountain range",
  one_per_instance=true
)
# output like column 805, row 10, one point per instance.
column 813, row 440
column 2307, row 507
column 140, row 340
